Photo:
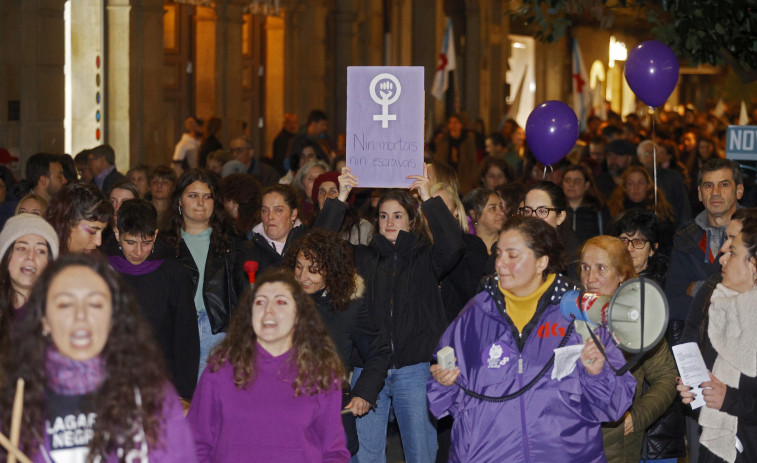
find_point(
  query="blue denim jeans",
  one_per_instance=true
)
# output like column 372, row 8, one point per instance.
column 405, row 391
column 208, row 340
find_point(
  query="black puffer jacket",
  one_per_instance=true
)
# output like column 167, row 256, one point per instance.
column 403, row 280
column 224, row 283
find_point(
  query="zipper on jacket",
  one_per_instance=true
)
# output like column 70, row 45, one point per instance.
column 391, row 309
column 521, row 399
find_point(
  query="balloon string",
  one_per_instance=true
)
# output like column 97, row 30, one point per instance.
column 552, row 171
column 654, row 157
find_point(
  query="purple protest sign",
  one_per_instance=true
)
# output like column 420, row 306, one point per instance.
column 385, row 124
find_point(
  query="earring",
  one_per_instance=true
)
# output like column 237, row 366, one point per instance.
column 45, row 333
column 179, row 209
column 119, row 248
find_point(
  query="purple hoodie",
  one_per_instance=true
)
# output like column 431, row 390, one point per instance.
column 265, row 422
column 556, row 421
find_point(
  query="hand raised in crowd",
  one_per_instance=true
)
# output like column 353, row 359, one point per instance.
column 347, row 181
column 421, row 184
column 445, row 377
column 358, row 406
column 591, row 358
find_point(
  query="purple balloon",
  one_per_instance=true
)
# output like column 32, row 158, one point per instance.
column 551, row 131
column 652, row 72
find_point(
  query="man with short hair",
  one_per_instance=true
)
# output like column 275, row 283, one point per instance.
column 44, row 174
column 695, row 246
column 186, row 149
column 318, row 124
column 619, row 154
column 243, row 152
column 102, row 163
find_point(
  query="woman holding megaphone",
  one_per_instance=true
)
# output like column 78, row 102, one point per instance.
column 506, row 404
column 606, row 263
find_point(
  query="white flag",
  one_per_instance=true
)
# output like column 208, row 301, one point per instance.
column 743, row 115
column 581, row 91
column 446, row 63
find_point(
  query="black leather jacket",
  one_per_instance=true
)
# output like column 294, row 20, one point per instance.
column 224, row 283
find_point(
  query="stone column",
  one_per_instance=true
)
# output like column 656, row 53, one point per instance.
column 428, row 29
column 470, row 85
column 228, row 68
column 31, row 76
column 344, row 55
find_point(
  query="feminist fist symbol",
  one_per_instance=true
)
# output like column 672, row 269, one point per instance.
column 388, row 96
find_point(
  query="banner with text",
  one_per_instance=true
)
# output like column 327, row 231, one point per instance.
column 385, row 124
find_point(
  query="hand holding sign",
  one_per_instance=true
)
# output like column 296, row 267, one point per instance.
column 421, row 183
column 347, row 181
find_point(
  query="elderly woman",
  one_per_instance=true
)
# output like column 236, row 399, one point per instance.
column 727, row 342
column 605, row 264
column 273, row 389
column 163, row 288
column 323, row 265
column 303, row 182
column 79, row 214
column 27, row 245
column 501, row 351
column 92, row 371
column 201, row 237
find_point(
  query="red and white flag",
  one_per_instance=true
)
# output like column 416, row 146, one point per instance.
column 581, row 90
column 446, row 64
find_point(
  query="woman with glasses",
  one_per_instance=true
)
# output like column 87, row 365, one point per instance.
column 202, row 238
column 545, row 200
column 484, row 207
column 79, row 214
column 640, row 232
column 586, row 214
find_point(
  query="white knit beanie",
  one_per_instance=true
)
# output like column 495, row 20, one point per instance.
column 27, row 224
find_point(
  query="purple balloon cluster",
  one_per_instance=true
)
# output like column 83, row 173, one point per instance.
column 652, row 72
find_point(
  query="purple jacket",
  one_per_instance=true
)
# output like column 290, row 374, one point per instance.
column 555, row 421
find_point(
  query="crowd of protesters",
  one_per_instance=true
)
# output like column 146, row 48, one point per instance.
column 130, row 301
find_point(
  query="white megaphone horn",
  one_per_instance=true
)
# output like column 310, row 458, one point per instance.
column 621, row 314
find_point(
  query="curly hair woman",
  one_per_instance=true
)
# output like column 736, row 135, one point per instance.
column 324, row 267
column 92, row 371
column 198, row 230
column 79, row 214
column 273, row 386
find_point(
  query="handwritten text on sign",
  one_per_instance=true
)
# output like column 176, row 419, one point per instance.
column 385, row 124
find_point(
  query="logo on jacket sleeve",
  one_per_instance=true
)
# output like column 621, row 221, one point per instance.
column 548, row 329
column 498, row 355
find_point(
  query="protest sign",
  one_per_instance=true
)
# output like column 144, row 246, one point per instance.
column 385, row 124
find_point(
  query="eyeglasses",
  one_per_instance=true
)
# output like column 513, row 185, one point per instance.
column 637, row 243
column 541, row 212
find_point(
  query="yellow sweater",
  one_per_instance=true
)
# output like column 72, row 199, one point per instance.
column 522, row 309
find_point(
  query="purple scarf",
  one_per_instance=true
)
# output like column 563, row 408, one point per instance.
column 122, row 265
column 72, row 377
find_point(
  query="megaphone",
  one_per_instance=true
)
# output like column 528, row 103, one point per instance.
column 621, row 314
